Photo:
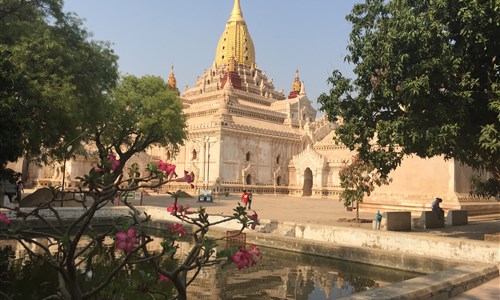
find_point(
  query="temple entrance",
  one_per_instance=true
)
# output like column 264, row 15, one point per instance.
column 308, row 183
column 248, row 179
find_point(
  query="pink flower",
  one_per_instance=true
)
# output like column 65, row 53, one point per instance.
column 113, row 161
column 188, row 177
column 243, row 259
column 162, row 166
column 4, row 219
column 255, row 220
column 126, row 240
column 255, row 251
column 177, row 228
column 171, row 171
column 179, row 209
column 164, row 278
column 167, row 168
column 173, row 209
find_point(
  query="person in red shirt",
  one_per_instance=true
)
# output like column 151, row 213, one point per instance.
column 244, row 198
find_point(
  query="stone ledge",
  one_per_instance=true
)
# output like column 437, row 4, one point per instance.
column 368, row 256
column 396, row 221
column 457, row 217
column 405, row 242
column 441, row 285
column 410, row 243
column 428, row 220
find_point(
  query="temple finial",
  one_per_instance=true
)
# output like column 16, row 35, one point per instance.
column 236, row 14
column 172, row 82
column 296, row 82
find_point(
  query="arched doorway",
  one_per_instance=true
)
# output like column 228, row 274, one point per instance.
column 308, row 183
column 248, row 179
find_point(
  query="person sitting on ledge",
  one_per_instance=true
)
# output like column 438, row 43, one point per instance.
column 437, row 209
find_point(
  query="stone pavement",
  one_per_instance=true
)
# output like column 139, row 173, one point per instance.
column 281, row 208
column 324, row 211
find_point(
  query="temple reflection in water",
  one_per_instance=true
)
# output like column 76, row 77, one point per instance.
column 278, row 275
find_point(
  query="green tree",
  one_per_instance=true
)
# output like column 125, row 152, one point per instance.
column 141, row 112
column 53, row 78
column 358, row 178
column 426, row 81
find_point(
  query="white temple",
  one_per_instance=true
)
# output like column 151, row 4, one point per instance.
column 244, row 134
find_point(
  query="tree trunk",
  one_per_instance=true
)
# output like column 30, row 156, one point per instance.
column 25, row 171
column 357, row 210
column 181, row 289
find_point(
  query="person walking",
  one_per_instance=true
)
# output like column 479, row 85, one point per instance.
column 244, row 198
column 249, row 199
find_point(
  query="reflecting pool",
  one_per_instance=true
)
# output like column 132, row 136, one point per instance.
column 288, row 275
column 278, row 275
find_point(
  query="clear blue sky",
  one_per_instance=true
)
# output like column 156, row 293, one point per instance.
column 150, row 36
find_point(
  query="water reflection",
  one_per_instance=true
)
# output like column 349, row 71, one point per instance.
column 285, row 275
column 278, row 275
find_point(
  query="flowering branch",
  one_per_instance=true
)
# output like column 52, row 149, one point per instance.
column 76, row 243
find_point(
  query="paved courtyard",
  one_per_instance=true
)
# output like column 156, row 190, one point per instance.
column 324, row 211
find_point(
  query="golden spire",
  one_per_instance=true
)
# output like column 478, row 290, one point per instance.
column 235, row 41
column 296, row 89
column 172, row 82
column 236, row 14
column 296, row 82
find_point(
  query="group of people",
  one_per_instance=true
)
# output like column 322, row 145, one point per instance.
column 246, row 198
